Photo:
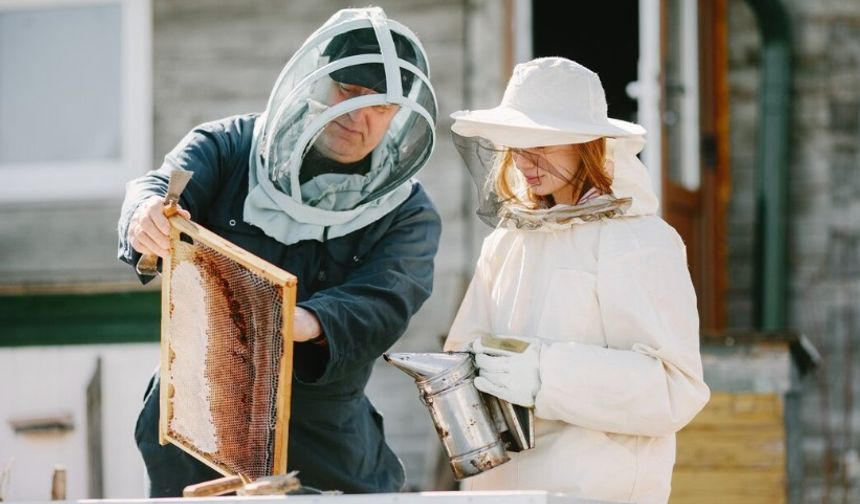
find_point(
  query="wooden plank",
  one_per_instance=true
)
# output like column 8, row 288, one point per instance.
column 234, row 252
column 719, row 498
column 747, row 410
column 736, row 448
column 95, row 435
column 729, row 485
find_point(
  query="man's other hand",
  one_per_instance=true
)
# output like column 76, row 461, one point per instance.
column 148, row 231
column 305, row 325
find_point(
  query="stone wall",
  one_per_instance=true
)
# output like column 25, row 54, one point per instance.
column 824, row 219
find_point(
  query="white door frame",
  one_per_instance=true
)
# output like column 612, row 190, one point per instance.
column 646, row 91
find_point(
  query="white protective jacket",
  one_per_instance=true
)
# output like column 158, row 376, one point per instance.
column 614, row 306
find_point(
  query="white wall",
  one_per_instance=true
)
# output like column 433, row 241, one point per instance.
column 45, row 381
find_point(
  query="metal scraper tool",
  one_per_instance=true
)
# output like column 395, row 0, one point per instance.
column 148, row 263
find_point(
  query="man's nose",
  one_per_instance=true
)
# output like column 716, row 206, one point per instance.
column 357, row 115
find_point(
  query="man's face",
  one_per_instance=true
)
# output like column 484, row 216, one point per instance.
column 354, row 135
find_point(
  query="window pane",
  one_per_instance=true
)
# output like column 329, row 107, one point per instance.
column 60, row 79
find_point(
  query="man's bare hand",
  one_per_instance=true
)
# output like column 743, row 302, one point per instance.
column 148, row 231
column 305, row 325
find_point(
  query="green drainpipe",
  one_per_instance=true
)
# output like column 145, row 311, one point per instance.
column 772, row 165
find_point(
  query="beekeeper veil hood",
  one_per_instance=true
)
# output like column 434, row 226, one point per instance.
column 551, row 102
column 350, row 120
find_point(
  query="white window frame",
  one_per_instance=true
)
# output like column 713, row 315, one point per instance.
column 690, row 151
column 522, row 31
column 646, row 91
column 82, row 180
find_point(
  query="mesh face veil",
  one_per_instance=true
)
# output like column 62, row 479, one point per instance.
column 500, row 176
column 350, row 119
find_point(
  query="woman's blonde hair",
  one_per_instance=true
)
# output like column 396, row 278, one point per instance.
column 508, row 182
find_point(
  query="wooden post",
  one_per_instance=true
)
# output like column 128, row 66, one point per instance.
column 5, row 475
column 58, row 484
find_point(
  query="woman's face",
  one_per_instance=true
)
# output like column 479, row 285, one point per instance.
column 549, row 170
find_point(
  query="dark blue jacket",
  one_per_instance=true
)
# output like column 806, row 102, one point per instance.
column 363, row 288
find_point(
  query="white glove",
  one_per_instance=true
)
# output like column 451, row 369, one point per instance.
column 508, row 368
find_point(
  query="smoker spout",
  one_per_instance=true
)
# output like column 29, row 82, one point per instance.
column 422, row 366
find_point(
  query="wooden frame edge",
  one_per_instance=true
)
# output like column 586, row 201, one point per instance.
column 202, row 458
column 164, row 412
column 285, row 378
column 241, row 256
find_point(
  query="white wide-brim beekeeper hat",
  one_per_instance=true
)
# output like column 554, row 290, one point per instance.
column 548, row 101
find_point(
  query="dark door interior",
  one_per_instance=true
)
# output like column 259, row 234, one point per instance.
column 603, row 36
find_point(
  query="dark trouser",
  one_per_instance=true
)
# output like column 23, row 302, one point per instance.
column 168, row 469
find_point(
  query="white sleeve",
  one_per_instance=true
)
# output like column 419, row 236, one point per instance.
column 648, row 380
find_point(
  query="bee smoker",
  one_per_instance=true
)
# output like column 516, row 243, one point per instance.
column 476, row 429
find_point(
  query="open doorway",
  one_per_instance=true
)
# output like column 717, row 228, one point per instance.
column 683, row 108
column 603, row 36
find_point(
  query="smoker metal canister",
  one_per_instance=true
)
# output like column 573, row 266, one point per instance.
column 463, row 422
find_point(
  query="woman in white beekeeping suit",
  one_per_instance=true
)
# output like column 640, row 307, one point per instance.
column 582, row 269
